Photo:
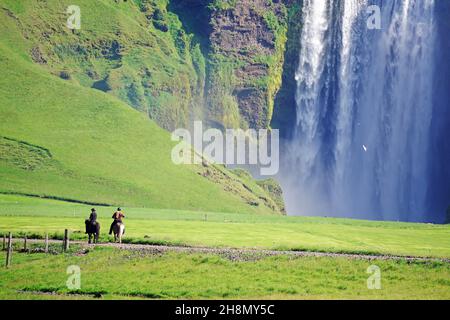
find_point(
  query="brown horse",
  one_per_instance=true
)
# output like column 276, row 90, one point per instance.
column 93, row 230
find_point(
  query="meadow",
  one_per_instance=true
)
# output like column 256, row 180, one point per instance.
column 155, row 226
column 120, row 274
column 176, row 275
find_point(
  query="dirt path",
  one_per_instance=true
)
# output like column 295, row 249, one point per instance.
column 240, row 254
column 249, row 254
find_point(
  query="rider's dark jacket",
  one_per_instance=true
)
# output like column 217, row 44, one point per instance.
column 93, row 217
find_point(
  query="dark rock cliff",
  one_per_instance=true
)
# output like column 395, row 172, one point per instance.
column 247, row 43
column 284, row 109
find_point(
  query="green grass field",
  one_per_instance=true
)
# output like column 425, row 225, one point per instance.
column 208, row 276
column 119, row 274
column 37, row 216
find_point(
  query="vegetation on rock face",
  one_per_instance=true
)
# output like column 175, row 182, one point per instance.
column 172, row 60
column 245, row 62
column 137, row 51
column 243, row 45
column 275, row 191
column 60, row 138
column 158, row 55
column 222, row 4
column 285, row 99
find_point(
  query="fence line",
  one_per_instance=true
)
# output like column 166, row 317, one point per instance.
column 66, row 241
column 9, row 251
column 46, row 243
column 8, row 245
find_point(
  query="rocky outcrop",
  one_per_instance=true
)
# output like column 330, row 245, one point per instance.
column 245, row 61
column 141, row 54
column 273, row 188
column 285, row 105
column 226, row 56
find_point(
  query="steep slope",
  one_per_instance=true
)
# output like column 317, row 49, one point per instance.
column 245, row 61
column 133, row 50
column 225, row 55
column 60, row 139
column 284, row 104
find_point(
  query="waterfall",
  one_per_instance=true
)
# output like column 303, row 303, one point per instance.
column 364, row 111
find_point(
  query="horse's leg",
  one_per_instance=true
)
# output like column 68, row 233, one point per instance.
column 89, row 235
column 121, row 233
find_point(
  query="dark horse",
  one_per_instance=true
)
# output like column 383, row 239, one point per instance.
column 92, row 229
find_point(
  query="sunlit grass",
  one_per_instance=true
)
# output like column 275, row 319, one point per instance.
column 127, row 274
column 37, row 216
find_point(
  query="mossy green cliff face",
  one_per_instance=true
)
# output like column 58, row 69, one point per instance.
column 245, row 61
column 137, row 51
column 284, row 105
column 173, row 60
column 216, row 60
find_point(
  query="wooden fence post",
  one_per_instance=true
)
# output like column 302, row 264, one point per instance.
column 66, row 240
column 25, row 243
column 9, row 251
column 4, row 242
column 46, row 243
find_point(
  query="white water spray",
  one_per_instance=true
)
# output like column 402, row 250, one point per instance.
column 364, row 108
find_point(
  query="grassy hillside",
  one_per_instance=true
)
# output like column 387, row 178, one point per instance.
column 225, row 56
column 133, row 50
column 61, row 139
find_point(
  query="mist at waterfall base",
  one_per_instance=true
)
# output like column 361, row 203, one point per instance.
column 372, row 136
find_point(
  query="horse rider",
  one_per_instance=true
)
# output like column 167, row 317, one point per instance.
column 92, row 218
column 117, row 216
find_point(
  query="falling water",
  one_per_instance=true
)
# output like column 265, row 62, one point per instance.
column 364, row 111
